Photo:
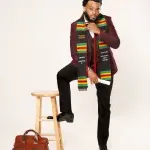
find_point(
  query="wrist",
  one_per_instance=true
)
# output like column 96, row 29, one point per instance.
column 98, row 32
column 89, row 68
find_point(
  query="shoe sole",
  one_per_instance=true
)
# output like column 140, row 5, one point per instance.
column 67, row 119
column 70, row 120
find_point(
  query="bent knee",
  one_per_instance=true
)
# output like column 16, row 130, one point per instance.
column 59, row 74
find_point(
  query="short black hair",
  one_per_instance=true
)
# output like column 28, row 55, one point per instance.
column 84, row 2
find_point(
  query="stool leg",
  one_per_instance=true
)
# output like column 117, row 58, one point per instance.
column 56, row 124
column 38, row 114
column 59, row 128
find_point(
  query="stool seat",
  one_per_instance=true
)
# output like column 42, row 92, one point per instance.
column 45, row 93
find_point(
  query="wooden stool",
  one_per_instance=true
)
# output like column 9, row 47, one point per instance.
column 39, row 118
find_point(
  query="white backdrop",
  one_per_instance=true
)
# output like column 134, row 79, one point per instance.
column 34, row 46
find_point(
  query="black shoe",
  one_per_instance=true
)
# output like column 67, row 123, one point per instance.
column 103, row 147
column 63, row 117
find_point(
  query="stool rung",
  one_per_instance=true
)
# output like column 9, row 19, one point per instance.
column 44, row 119
column 51, row 140
column 46, row 134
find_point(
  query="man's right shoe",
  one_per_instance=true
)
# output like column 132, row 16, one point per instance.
column 64, row 117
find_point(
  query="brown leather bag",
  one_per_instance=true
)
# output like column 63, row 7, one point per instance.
column 30, row 142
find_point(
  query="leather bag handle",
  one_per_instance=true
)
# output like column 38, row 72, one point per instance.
column 31, row 130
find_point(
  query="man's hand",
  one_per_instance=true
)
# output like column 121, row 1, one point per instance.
column 93, row 27
column 92, row 76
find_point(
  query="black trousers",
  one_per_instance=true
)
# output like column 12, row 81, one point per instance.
column 68, row 74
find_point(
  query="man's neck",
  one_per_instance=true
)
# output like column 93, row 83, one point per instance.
column 86, row 22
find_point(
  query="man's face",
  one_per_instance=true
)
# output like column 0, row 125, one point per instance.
column 92, row 9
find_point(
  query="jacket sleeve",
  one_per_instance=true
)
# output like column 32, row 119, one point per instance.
column 111, row 38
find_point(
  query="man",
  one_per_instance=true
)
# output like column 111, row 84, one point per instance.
column 92, row 37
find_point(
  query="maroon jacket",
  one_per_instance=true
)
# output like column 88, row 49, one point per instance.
column 111, row 39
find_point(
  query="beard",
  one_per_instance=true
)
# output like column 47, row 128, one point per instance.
column 88, row 18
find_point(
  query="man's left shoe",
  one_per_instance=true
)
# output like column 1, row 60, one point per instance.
column 103, row 147
column 68, row 117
